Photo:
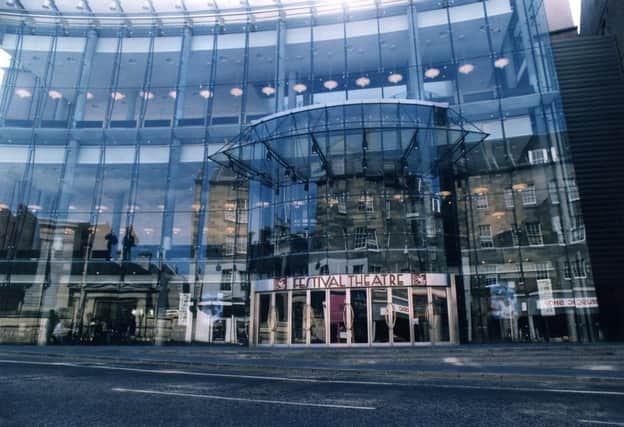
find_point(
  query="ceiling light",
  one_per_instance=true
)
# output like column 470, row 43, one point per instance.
column 330, row 84
column 268, row 90
column 178, row 4
column 89, row 96
column 362, row 81
column 173, row 94
column 444, row 193
column 205, row 93
column 236, row 91
column 498, row 214
column 23, row 93
column 81, row 5
column 521, row 186
column 34, row 207
column 10, row 2
column 146, row 95
column 466, row 69
column 432, row 73
column 146, row 5
column 47, row 4
column 395, row 78
column 480, row 190
column 113, row 5
column 3, row 206
column 117, row 96
column 55, row 94
column 300, row 88
column 501, row 62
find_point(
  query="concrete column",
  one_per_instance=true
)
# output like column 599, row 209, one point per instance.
column 85, row 73
column 185, row 55
column 280, row 67
column 415, row 82
column 292, row 95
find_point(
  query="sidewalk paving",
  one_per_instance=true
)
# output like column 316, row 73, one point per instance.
column 536, row 362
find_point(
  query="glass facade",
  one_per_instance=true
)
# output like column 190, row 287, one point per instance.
column 159, row 167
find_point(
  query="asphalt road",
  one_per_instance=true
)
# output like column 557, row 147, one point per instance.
column 45, row 392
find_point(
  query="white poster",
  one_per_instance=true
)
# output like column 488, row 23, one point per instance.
column 183, row 309
column 544, row 288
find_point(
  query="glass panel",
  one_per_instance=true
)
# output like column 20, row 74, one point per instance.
column 317, row 327
column 264, row 330
column 440, row 315
column 298, row 318
column 338, row 329
column 380, row 327
column 281, row 316
column 400, row 302
column 421, row 318
column 360, row 317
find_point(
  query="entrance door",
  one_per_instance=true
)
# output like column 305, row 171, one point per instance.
column 400, row 306
column 281, row 318
column 440, row 318
column 420, row 310
column 382, row 315
column 300, row 321
column 338, row 316
column 359, row 316
column 318, row 310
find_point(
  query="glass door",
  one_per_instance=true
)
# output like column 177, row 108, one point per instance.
column 265, row 326
column 359, row 316
column 300, row 321
column 318, row 310
column 440, row 320
column 400, row 306
column 420, row 310
column 338, row 316
column 281, row 318
column 382, row 316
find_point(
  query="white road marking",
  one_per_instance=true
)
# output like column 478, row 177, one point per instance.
column 319, row 381
column 243, row 399
column 606, row 423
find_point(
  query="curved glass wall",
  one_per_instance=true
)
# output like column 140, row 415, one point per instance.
column 109, row 116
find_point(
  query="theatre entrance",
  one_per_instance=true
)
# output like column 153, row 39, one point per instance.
column 384, row 316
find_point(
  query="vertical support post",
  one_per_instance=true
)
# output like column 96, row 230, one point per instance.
column 185, row 56
column 280, row 67
column 292, row 96
column 131, row 101
column 85, row 73
column 415, row 82
column 452, row 312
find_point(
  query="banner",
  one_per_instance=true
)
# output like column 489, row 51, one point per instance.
column 183, row 308
column 337, row 281
column 553, row 303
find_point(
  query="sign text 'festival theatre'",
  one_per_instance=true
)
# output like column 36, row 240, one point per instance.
column 337, row 281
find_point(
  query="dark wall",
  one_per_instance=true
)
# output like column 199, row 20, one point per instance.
column 592, row 89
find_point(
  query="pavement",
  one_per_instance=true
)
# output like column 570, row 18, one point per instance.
column 570, row 363
column 532, row 385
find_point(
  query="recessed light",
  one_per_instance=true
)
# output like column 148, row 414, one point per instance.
column 47, row 4
column 113, row 5
column 117, row 96
column 146, row 95
column 89, row 96
column 236, row 91
column 55, row 94
column 330, row 84
column 432, row 73
column 466, row 68
column 395, row 78
column 268, row 90
column 362, row 81
column 501, row 62
column 300, row 88
column 23, row 93
column 81, row 5
column 146, row 5
column 205, row 93
column 519, row 187
column 480, row 190
column 173, row 94
column 10, row 2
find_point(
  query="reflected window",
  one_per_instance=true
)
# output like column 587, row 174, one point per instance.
column 366, row 203
column 226, row 280
column 365, row 238
column 481, row 200
column 538, row 157
column 534, row 234
column 509, row 198
column 553, row 192
column 573, row 193
column 485, row 236
column 529, row 197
